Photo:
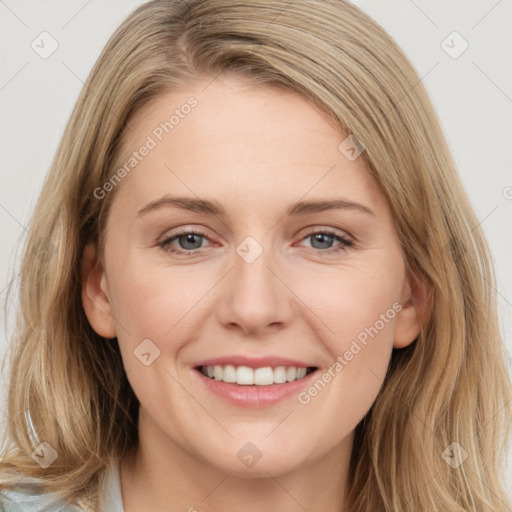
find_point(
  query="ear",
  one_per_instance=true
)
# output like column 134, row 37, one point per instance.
column 415, row 300
column 95, row 294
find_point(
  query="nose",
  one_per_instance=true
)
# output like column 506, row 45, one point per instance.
column 255, row 298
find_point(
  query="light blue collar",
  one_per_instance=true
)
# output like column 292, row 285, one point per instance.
column 28, row 497
column 110, row 494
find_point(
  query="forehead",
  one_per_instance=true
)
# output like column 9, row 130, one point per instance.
column 230, row 109
column 229, row 138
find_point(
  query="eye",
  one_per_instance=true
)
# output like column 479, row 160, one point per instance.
column 189, row 241
column 322, row 241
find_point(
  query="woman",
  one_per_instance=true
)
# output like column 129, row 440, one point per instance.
column 259, row 368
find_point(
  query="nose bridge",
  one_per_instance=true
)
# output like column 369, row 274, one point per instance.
column 255, row 298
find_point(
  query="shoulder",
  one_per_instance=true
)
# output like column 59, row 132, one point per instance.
column 31, row 498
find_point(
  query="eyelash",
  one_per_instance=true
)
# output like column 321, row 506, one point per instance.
column 344, row 243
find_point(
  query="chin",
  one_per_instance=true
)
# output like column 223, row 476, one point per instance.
column 257, row 465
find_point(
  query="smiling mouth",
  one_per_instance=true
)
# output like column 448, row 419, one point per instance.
column 246, row 376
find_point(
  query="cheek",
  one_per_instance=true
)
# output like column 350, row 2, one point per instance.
column 360, row 313
column 354, row 302
column 356, row 308
column 158, row 302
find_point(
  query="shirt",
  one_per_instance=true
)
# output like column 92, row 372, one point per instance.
column 27, row 497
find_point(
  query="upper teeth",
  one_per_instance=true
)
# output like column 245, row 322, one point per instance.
column 244, row 375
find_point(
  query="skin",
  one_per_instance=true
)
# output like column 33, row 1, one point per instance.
column 256, row 151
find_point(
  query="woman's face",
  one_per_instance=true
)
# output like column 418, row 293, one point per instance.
column 274, row 278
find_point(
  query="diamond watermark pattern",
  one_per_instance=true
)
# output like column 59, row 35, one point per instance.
column 249, row 455
column 44, row 45
column 454, row 45
column 249, row 249
column 146, row 352
column 44, row 248
column 351, row 147
column 44, row 455
column 454, row 455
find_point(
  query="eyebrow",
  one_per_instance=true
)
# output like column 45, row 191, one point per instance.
column 213, row 207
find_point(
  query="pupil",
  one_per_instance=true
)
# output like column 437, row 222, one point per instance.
column 322, row 238
column 189, row 238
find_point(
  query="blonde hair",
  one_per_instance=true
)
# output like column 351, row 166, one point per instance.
column 449, row 385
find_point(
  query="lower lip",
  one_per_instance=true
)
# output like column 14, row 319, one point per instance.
column 254, row 396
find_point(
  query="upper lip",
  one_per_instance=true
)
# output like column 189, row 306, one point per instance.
column 254, row 362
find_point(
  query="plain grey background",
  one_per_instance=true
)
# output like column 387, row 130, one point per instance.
column 461, row 50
